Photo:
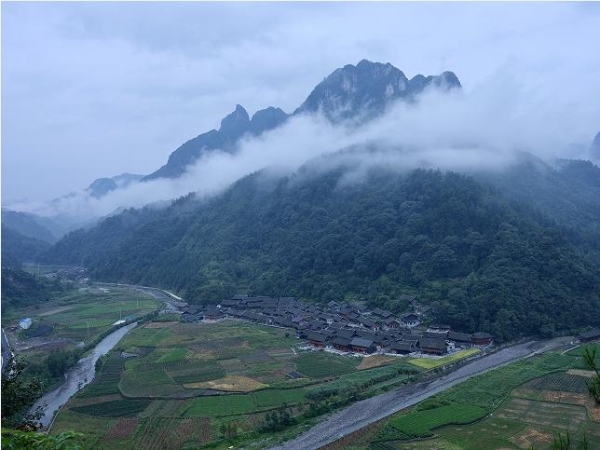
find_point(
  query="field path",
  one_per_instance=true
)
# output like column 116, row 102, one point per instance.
column 55, row 311
column 368, row 411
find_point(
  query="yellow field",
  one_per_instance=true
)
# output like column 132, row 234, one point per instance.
column 426, row 363
column 233, row 383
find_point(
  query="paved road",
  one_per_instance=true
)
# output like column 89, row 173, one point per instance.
column 368, row 411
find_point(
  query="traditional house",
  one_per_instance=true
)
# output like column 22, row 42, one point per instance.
column 213, row 313
column 367, row 323
column 282, row 322
column 383, row 313
column 333, row 305
column 191, row 314
column 460, row 338
column 317, row 340
column 588, row 336
column 433, row 346
column 341, row 343
column 410, row 320
column 360, row 345
column 481, row 338
column 391, row 322
column 403, row 347
column 346, row 333
column 233, row 303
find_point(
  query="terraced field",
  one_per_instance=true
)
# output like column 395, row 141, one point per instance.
column 185, row 385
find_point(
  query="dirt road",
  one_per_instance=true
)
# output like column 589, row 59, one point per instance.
column 368, row 411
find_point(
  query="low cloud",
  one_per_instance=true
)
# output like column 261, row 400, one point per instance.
column 482, row 129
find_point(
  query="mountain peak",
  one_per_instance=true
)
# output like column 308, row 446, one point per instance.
column 361, row 91
column 235, row 124
column 367, row 89
column 595, row 148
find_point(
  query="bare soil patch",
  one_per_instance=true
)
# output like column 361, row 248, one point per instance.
column 374, row 361
column 593, row 410
column 122, row 429
column 55, row 311
column 532, row 436
column 581, row 373
column 564, row 397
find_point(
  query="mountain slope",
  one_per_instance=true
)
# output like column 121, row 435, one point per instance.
column 27, row 225
column 102, row 186
column 568, row 193
column 461, row 246
column 233, row 127
column 20, row 248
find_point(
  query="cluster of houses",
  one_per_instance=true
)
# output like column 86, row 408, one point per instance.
column 342, row 327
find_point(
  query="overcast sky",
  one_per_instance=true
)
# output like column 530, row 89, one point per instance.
column 97, row 89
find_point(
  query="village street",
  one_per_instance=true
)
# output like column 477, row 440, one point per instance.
column 368, row 411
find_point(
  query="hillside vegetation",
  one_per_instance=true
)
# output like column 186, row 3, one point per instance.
column 480, row 260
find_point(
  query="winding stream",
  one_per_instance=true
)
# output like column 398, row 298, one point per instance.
column 78, row 376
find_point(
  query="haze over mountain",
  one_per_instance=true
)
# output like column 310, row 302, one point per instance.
column 108, row 96
column 347, row 200
column 362, row 91
column 102, row 186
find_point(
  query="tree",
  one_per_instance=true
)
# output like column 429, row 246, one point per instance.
column 18, row 395
column 14, row 439
column 589, row 358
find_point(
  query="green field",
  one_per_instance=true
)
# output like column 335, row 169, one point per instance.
column 523, row 404
column 83, row 314
column 422, row 423
column 71, row 324
column 321, row 364
column 223, row 377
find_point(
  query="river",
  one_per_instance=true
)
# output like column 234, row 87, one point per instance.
column 78, row 376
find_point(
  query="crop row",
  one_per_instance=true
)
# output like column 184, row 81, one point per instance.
column 560, row 382
column 422, row 423
column 116, row 408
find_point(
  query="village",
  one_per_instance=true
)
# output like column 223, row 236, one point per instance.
column 344, row 328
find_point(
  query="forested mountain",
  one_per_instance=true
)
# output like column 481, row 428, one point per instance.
column 568, row 193
column 20, row 248
column 481, row 260
column 20, row 288
column 28, row 225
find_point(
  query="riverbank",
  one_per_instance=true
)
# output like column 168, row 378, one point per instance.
column 77, row 377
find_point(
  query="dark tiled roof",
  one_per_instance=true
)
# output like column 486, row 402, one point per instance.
column 347, row 333
column 437, row 344
column 459, row 337
column 592, row 334
column 360, row 342
column 341, row 341
column 317, row 337
column 481, row 335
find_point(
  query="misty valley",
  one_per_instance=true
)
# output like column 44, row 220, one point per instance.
column 397, row 263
